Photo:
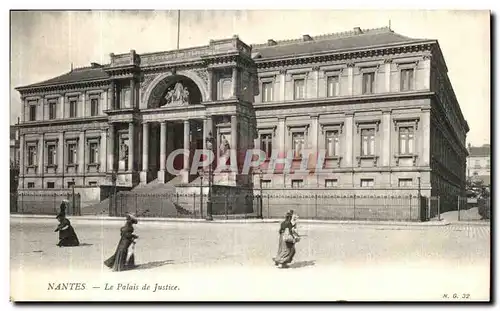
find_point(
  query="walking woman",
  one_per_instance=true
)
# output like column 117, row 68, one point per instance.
column 286, row 247
column 67, row 235
column 119, row 260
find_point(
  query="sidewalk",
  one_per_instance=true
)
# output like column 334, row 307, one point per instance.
column 249, row 220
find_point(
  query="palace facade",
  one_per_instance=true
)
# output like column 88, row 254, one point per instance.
column 380, row 104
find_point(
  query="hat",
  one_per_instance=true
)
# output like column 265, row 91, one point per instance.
column 288, row 214
column 131, row 218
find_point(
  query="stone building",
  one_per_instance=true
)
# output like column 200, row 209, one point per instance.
column 478, row 163
column 380, row 104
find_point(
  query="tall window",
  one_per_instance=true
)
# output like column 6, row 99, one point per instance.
column 368, row 142
column 50, row 185
column 71, row 153
column 32, row 112
column 94, row 107
column 31, row 155
column 51, row 155
column 331, row 183
column 332, row 84
column 52, row 110
column 31, row 185
column 266, row 144
column 406, row 140
column 297, row 144
column 406, row 79
column 267, row 91
column 367, row 182
column 93, row 152
column 72, row 108
column 297, row 183
column 405, row 182
column 368, row 83
column 266, row 183
column 299, row 89
column 332, row 143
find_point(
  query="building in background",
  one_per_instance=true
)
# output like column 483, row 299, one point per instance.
column 14, row 146
column 479, row 165
column 380, row 103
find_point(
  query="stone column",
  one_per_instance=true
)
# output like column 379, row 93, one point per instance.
column 316, row 75
column 102, row 152
column 282, row 84
column 81, row 153
column 131, row 147
column 234, row 82
column 234, row 133
column 23, row 109
column 61, row 107
column 163, row 151
column 281, row 135
column 60, row 153
column 41, row 160
column 112, row 89
column 210, row 84
column 426, row 73
column 425, row 137
column 186, row 144
column 145, row 153
column 350, row 79
column 313, row 141
column 132, row 93
column 387, row 69
column 386, row 138
column 22, row 151
column 83, row 105
column 111, row 148
column 348, row 153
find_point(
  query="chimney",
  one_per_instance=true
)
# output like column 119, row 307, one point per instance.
column 95, row 65
column 357, row 30
column 307, row 38
column 271, row 42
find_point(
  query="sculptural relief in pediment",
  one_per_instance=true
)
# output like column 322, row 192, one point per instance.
column 178, row 94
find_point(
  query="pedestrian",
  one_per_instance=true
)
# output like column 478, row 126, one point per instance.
column 119, row 261
column 67, row 235
column 286, row 247
column 62, row 208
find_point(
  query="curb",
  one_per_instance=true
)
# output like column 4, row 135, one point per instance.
column 250, row 220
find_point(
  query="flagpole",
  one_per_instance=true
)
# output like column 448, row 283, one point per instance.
column 178, row 27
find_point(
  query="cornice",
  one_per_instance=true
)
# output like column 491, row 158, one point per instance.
column 343, row 100
column 54, row 88
column 347, row 55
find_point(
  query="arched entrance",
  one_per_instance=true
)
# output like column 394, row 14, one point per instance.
column 172, row 91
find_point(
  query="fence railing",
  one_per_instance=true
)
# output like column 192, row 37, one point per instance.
column 314, row 206
column 475, row 209
column 40, row 203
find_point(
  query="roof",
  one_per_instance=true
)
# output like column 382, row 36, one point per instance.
column 332, row 42
column 483, row 151
column 357, row 38
column 94, row 72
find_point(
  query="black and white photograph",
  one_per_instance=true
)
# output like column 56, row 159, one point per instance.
column 250, row 155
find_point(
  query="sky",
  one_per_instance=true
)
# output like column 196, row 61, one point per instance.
column 44, row 44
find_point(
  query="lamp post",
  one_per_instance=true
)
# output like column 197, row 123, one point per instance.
column 200, row 172
column 209, row 144
column 261, row 198
column 113, row 180
column 73, row 194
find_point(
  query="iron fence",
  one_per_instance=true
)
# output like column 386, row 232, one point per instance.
column 312, row 206
column 40, row 203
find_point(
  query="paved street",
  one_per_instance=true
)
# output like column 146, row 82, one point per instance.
column 233, row 261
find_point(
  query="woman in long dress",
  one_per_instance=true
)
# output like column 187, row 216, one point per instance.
column 286, row 247
column 67, row 235
column 118, row 261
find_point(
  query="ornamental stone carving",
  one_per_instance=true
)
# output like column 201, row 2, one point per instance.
column 178, row 95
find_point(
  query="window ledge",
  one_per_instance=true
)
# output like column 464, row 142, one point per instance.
column 367, row 157
column 406, row 156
